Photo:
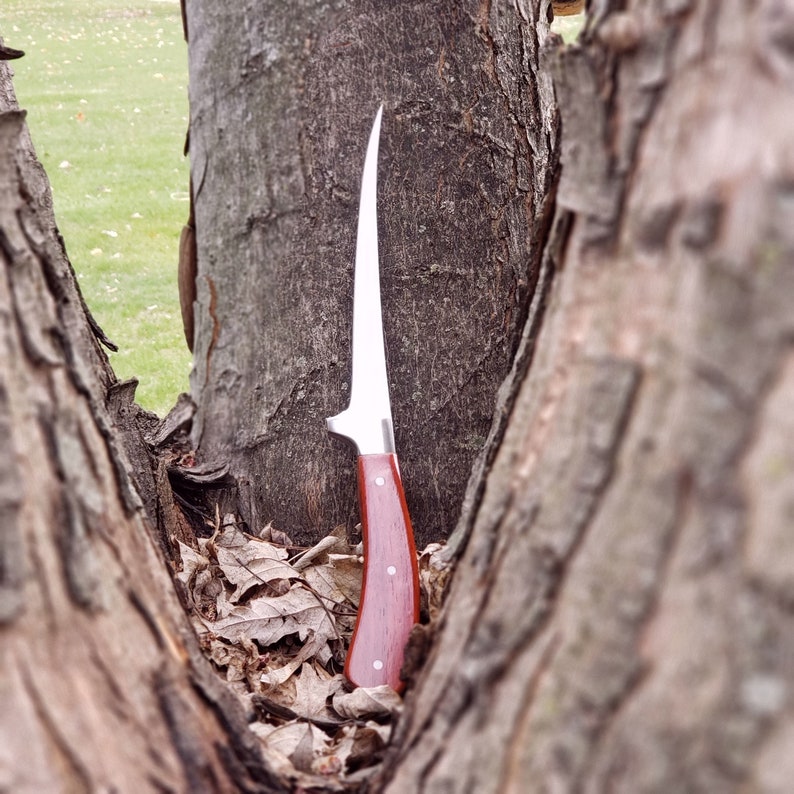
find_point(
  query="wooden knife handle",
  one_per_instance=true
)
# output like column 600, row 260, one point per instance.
column 389, row 605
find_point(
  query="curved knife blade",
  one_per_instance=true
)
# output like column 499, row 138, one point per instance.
column 367, row 421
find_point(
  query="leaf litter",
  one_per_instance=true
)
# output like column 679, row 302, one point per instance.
column 276, row 623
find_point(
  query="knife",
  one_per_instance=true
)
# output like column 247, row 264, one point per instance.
column 389, row 605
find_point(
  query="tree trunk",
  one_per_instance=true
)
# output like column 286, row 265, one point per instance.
column 103, row 685
column 282, row 101
column 622, row 617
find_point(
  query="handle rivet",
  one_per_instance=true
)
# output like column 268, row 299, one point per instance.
column 380, row 481
column 378, row 664
column 391, row 570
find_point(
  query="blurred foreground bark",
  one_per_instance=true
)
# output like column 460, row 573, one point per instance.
column 621, row 619
column 102, row 682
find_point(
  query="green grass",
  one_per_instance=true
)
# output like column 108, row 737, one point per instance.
column 105, row 86
column 569, row 27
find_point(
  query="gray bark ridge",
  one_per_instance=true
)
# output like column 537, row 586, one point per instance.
column 621, row 618
column 282, row 104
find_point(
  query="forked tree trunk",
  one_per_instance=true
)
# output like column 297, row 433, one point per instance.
column 102, row 684
column 622, row 617
column 282, row 100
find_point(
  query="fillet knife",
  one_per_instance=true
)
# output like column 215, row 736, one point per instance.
column 389, row 605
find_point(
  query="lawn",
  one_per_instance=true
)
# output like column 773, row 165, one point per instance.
column 568, row 27
column 105, row 86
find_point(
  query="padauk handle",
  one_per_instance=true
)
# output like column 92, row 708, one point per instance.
column 389, row 605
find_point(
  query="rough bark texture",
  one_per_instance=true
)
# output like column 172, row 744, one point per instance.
column 621, row 616
column 282, row 101
column 103, row 686
column 621, row 619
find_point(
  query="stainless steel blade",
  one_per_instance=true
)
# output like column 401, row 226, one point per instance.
column 367, row 421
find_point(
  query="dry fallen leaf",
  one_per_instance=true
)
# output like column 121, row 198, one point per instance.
column 338, row 581
column 434, row 570
column 268, row 619
column 277, row 675
column 352, row 744
column 368, row 703
column 335, row 542
column 313, row 689
column 273, row 626
column 192, row 561
column 252, row 566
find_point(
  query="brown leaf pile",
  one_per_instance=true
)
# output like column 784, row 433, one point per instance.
column 277, row 625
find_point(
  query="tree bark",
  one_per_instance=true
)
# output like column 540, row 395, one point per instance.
column 282, row 101
column 621, row 619
column 103, row 685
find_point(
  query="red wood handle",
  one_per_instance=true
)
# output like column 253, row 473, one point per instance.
column 390, row 592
